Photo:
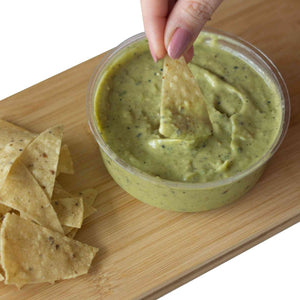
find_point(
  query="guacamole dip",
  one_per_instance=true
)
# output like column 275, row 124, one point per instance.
column 243, row 105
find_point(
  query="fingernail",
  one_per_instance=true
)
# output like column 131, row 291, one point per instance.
column 153, row 54
column 179, row 42
column 188, row 55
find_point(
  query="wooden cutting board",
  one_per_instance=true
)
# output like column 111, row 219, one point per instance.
column 145, row 251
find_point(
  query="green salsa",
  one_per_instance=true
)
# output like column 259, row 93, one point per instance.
column 243, row 105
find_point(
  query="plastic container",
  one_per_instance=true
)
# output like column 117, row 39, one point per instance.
column 184, row 196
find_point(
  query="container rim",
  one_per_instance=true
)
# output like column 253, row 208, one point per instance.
column 269, row 66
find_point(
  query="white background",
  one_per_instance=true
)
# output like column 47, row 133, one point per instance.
column 39, row 39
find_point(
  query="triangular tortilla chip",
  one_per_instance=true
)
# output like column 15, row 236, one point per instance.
column 71, row 234
column 1, row 277
column 13, row 140
column 70, row 211
column 89, row 196
column 10, row 133
column 59, row 191
column 69, row 208
column 65, row 162
column 89, row 210
column 71, row 231
column 183, row 112
column 41, row 157
column 61, row 195
column 23, row 193
column 67, row 229
column 31, row 253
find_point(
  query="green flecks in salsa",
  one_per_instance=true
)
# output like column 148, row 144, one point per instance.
column 244, row 110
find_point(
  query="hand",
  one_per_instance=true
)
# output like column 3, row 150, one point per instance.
column 172, row 26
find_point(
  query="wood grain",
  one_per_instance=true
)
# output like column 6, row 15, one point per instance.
column 144, row 251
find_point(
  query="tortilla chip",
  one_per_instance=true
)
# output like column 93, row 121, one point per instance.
column 23, row 193
column 67, row 229
column 69, row 208
column 69, row 211
column 3, row 210
column 183, row 112
column 71, row 231
column 65, row 162
column 61, row 195
column 89, row 211
column 59, row 191
column 71, row 234
column 1, row 277
column 88, row 195
column 13, row 140
column 53, row 256
column 165, row 143
column 41, row 157
column 10, row 133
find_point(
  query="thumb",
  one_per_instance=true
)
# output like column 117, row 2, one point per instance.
column 185, row 22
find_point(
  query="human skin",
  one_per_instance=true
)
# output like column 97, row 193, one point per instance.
column 172, row 26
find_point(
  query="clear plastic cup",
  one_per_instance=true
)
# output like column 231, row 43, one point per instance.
column 186, row 196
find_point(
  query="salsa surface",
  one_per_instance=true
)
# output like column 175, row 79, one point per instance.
column 244, row 109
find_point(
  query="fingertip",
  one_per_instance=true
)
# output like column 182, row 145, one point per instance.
column 153, row 54
column 162, row 54
column 157, row 52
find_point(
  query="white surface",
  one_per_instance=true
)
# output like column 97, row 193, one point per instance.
column 39, row 39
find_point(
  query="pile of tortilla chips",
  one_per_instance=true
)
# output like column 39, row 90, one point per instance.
column 38, row 217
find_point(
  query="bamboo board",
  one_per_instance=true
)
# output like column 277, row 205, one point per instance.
column 144, row 251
